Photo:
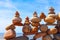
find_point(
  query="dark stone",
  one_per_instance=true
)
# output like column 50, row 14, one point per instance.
column 54, row 39
column 57, row 36
column 19, row 38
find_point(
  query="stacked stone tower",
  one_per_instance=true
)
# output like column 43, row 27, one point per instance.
column 31, row 26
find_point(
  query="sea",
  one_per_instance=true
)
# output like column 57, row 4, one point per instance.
column 19, row 34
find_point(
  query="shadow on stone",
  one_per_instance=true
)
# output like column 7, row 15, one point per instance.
column 19, row 38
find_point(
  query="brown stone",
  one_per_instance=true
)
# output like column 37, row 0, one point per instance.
column 17, row 14
column 10, row 27
column 43, row 28
column 34, row 30
column 47, row 37
column 42, row 16
column 26, row 29
column 57, row 36
column 26, row 21
column 18, row 24
column 35, row 19
column 35, row 14
column 49, row 20
column 9, row 34
column 38, row 35
column 52, row 15
column 35, row 24
column 52, row 31
column 16, row 20
column 51, row 10
column 58, row 17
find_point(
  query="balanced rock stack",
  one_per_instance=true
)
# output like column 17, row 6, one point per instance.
column 35, row 23
column 10, row 33
column 35, row 20
column 51, row 17
column 10, row 29
column 33, row 26
column 26, row 28
column 17, row 20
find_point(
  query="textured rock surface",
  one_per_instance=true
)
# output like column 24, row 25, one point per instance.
column 34, row 30
column 49, row 20
column 52, row 31
column 17, row 19
column 35, row 24
column 11, row 26
column 9, row 34
column 42, row 16
column 19, row 38
column 38, row 35
column 35, row 18
column 57, row 36
column 26, row 29
column 48, row 37
column 43, row 28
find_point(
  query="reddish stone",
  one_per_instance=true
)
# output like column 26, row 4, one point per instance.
column 9, row 34
column 10, row 27
column 38, row 35
column 47, row 37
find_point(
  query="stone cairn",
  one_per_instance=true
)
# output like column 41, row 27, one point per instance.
column 31, row 26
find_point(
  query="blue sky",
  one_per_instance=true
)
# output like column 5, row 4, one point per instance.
column 25, row 8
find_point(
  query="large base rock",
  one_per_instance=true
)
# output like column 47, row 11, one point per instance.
column 57, row 36
column 9, row 34
column 19, row 38
column 48, row 37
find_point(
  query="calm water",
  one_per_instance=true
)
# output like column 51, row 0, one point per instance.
column 18, row 34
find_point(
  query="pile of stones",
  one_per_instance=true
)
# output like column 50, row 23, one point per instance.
column 31, row 26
